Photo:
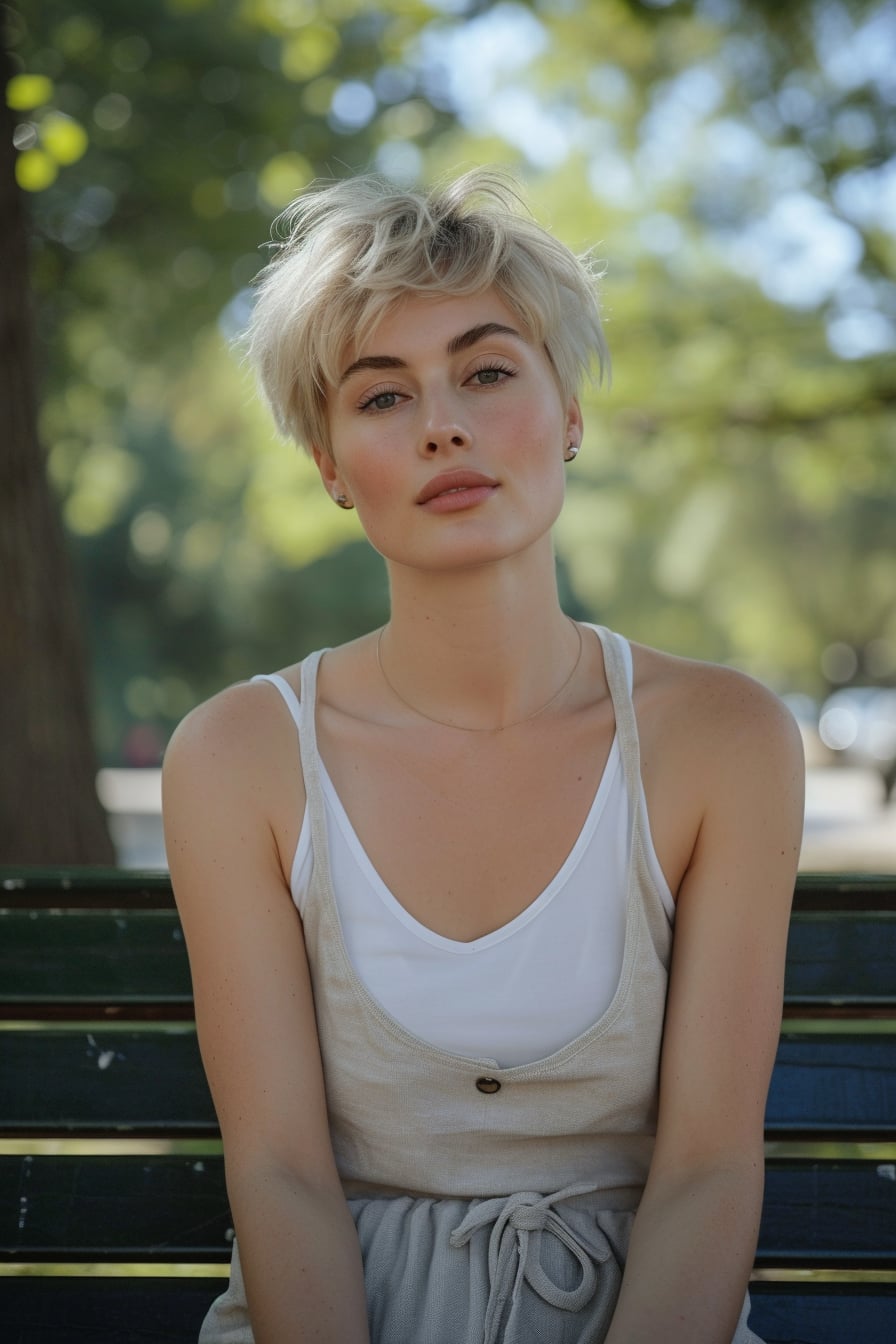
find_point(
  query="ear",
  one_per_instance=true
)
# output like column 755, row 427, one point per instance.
column 329, row 473
column 575, row 425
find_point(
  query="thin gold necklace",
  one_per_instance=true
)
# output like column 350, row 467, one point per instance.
column 461, row 727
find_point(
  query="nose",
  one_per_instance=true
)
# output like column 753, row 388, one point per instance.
column 438, row 442
column 442, row 430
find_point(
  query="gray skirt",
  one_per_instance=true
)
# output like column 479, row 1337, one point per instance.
column 528, row 1269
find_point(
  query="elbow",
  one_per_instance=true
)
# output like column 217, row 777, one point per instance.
column 259, row 1177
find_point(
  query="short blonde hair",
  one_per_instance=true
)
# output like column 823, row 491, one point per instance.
column 350, row 249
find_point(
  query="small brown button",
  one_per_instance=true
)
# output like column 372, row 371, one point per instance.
column 488, row 1085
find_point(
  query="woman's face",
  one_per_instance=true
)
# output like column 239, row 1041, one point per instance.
column 448, row 431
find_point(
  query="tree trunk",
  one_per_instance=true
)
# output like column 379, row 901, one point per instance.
column 49, row 811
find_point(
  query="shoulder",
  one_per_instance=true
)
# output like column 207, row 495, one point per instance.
column 239, row 748
column 227, row 728
column 711, row 708
column 721, row 756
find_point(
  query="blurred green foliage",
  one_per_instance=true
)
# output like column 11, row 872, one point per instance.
column 733, row 160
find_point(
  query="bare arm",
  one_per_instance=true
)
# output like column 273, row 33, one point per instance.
column 226, row 773
column 694, row 1235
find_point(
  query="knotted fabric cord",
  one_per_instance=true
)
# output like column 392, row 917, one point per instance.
column 513, row 1256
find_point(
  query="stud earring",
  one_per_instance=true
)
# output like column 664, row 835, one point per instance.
column 572, row 452
column 343, row 501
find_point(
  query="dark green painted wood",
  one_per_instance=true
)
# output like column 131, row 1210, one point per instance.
column 123, row 955
column 105, row 888
column 135, row 959
column 169, row 1311
column 837, row 1087
column 822, row 1214
column 43, row 1310
column 842, row 956
column 150, row 1083
column 124, row 1208
column 72, row 957
column 824, row 1313
column 32, row 887
column 174, row 1209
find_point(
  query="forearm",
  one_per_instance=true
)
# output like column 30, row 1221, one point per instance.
column 690, row 1257
column 301, row 1262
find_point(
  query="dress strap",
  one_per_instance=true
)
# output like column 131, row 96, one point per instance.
column 624, row 710
column 311, row 765
column 288, row 694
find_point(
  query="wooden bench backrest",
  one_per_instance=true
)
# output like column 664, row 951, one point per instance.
column 98, row 1048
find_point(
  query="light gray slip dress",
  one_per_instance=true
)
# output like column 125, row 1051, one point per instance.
column 493, row 1206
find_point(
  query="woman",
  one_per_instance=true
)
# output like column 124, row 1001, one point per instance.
column 465, row 1077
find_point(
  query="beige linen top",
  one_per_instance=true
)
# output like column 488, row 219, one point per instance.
column 409, row 1118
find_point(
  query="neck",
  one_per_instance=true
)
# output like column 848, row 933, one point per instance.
column 482, row 648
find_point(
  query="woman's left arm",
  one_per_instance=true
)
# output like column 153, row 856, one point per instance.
column 694, row 1236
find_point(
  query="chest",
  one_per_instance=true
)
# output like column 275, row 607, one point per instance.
column 466, row 831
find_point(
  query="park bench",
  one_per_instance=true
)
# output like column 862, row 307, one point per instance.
column 114, row 1226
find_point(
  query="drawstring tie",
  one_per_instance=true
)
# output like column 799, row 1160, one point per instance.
column 518, row 1226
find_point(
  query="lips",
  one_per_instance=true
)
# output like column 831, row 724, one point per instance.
column 454, row 481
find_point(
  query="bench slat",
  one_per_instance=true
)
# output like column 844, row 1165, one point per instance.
column 136, row 961
column 71, row 957
column 150, row 1083
column 836, row 1088
column 85, row 888
column 103, row 888
column 122, row 1208
column 147, row 1084
column 119, row 1311
column 87, row 1310
column 144, row 1209
column 842, row 957
column 823, row 1313
column 828, row 1214
column 129, row 957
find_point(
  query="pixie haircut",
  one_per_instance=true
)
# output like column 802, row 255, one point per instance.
column 347, row 250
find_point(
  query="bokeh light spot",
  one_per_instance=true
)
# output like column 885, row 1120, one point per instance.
column 283, row 177
column 839, row 662
column 63, row 138
column 24, row 135
column 24, row 92
column 310, row 52
column 35, row 170
column 353, row 105
column 150, row 534
column 112, row 112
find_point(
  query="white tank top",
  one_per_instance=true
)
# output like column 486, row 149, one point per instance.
column 519, row 993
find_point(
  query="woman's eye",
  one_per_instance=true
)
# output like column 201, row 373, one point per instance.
column 492, row 374
column 380, row 401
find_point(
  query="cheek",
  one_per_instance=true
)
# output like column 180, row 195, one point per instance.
column 374, row 482
column 377, row 489
column 538, row 440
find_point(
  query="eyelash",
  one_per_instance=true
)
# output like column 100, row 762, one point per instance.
column 494, row 366
column 374, row 395
column 491, row 366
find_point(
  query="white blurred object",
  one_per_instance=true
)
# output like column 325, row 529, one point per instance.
column 133, row 803
column 858, row 724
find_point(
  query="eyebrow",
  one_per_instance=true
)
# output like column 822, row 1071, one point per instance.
column 464, row 341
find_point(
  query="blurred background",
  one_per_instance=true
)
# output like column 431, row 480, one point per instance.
column 733, row 161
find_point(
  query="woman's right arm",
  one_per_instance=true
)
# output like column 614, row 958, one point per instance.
column 225, row 774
